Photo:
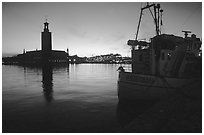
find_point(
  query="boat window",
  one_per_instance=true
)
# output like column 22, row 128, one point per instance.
column 198, row 47
column 163, row 56
column 195, row 46
column 190, row 47
column 169, row 56
column 140, row 57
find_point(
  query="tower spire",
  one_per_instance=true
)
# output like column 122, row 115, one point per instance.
column 46, row 25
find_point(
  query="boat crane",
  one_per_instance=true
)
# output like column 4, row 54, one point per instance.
column 156, row 16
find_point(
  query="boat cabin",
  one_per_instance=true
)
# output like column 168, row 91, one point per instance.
column 167, row 55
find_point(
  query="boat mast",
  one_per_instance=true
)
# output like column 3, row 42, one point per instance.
column 138, row 24
column 156, row 20
column 155, row 17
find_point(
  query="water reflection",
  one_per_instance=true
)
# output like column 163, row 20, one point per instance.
column 47, row 84
column 61, row 93
column 47, row 78
column 47, row 70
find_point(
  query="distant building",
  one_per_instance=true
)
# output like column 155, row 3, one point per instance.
column 108, row 58
column 76, row 59
column 40, row 56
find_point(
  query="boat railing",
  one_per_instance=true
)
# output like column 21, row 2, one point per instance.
column 127, row 67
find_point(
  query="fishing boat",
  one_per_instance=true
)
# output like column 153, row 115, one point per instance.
column 163, row 66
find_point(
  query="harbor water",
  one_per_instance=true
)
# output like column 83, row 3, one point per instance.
column 68, row 98
column 82, row 98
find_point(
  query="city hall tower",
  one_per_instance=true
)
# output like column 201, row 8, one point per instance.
column 46, row 45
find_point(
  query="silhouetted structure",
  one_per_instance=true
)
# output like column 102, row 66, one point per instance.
column 46, row 44
column 164, row 66
column 40, row 56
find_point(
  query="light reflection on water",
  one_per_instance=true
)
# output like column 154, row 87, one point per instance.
column 69, row 98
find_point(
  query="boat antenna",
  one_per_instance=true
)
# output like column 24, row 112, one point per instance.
column 161, row 23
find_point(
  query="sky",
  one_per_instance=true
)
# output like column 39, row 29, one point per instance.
column 89, row 28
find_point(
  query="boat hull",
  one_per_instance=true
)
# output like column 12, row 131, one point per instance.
column 138, row 87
